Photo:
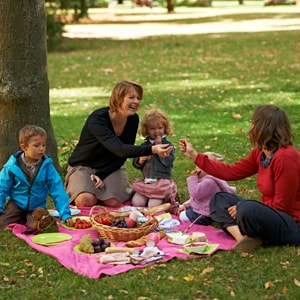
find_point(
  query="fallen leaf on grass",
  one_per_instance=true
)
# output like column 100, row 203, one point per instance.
column 297, row 282
column 207, row 270
column 162, row 265
column 5, row 278
column 123, row 291
column 236, row 116
column 84, row 292
column 4, row 264
column 145, row 271
column 285, row 289
column 268, row 284
column 189, row 277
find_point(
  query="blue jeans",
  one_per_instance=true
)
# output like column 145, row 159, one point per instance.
column 255, row 219
column 192, row 216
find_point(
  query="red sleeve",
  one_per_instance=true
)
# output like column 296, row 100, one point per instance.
column 243, row 168
column 286, row 180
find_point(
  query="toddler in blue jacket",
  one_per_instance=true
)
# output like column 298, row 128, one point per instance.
column 27, row 178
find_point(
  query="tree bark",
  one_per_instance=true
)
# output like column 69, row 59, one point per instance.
column 24, row 87
column 170, row 6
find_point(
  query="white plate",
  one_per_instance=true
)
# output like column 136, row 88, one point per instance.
column 54, row 212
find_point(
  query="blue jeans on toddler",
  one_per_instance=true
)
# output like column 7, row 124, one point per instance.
column 202, row 220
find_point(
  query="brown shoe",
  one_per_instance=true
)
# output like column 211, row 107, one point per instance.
column 248, row 244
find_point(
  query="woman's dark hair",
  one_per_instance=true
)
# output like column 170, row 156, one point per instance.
column 120, row 91
column 270, row 127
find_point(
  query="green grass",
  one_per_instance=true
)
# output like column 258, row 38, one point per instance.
column 202, row 82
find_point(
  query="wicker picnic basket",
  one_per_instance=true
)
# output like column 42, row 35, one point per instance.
column 116, row 234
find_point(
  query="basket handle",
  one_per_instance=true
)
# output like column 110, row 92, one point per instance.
column 97, row 206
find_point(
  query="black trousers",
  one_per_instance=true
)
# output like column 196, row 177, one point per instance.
column 255, row 219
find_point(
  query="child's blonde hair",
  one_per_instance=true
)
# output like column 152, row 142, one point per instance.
column 28, row 131
column 214, row 156
column 155, row 117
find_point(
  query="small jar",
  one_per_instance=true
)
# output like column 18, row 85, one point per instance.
column 131, row 221
column 152, row 239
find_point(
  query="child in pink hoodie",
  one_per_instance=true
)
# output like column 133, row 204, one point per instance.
column 201, row 188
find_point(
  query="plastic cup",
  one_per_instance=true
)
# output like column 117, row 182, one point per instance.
column 152, row 239
column 130, row 223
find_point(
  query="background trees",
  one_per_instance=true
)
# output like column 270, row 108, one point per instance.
column 24, row 89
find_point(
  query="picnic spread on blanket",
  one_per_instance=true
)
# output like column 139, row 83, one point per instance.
column 107, row 241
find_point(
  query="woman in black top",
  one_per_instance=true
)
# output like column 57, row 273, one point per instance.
column 96, row 169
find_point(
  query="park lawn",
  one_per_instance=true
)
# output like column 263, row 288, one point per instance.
column 209, row 85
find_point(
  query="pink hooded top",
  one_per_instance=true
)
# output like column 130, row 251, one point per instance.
column 201, row 191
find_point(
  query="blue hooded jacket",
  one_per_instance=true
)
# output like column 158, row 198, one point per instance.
column 15, row 186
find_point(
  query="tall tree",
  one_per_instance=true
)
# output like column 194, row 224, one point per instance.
column 24, row 88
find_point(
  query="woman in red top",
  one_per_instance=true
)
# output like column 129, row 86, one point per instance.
column 276, row 219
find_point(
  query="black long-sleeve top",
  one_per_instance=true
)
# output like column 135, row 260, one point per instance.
column 99, row 147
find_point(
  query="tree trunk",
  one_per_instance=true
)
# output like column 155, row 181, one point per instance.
column 24, row 88
column 170, row 6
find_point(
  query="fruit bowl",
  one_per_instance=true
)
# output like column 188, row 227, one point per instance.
column 197, row 247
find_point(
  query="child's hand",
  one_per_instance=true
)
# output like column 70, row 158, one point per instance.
column 158, row 140
column 142, row 159
column 179, row 210
column 195, row 172
column 69, row 222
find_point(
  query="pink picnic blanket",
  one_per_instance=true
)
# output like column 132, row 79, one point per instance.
column 88, row 264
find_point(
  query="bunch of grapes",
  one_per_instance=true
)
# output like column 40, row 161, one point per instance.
column 100, row 244
column 121, row 223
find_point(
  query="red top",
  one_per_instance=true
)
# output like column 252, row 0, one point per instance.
column 279, row 184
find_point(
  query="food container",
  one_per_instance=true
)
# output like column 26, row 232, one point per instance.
column 152, row 239
column 198, row 237
column 131, row 221
column 176, row 237
column 196, row 247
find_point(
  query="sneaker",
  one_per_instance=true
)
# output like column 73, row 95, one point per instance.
column 248, row 244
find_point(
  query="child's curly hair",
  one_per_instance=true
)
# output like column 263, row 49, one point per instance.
column 155, row 117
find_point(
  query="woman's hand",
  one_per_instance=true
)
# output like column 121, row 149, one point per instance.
column 187, row 149
column 162, row 150
column 69, row 222
column 98, row 182
column 232, row 211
